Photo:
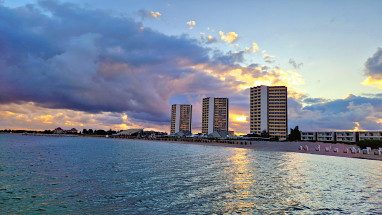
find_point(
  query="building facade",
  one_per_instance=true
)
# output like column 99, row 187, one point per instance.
column 269, row 110
column 341, row 136
column 347, row 136
column 308, row 136
column 326, row 136
column 370, row 135
column 214, row 115
column 181, row 118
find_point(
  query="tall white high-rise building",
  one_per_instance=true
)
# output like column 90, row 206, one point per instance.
column 214, row 115
column 269, row 110
column 181, row 118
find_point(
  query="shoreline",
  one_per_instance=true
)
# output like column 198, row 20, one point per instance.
column 288, row 146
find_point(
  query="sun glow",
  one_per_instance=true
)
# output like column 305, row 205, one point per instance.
column 267, row 83
column 241, row 118
column 46, row 119
column 357, row 127
column 373, row 82
column 123, row 126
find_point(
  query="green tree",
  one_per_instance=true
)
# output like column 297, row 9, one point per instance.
column 374, row 144
column 295, row 134
column 265, row 134
column 100, row 132
column 110, row 132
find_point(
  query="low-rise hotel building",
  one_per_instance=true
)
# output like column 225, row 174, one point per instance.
column 370, row 135
column 308, row 136
column 181, row 118
column 326, row 136
column 341, row 136
column 347, row 136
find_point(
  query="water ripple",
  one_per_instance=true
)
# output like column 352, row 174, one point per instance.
column 106, row 176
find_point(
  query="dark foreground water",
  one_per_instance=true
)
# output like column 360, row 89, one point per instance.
column 63, row 175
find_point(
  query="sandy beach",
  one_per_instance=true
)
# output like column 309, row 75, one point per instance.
column 293, row 147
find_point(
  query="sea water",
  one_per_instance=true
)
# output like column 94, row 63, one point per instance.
column 75, row 175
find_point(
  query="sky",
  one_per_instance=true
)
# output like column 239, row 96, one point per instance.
column 122, row 64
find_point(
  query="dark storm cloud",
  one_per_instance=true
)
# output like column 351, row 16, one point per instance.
column 62, row 56
column 59, row 55
column 341, row 105
column 339, row 114
column 374, row 65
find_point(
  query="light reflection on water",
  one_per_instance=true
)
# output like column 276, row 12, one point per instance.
column 103, row 176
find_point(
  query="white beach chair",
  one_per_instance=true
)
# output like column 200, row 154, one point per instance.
column 327, row 149
column 335, row 150
column 318, row 148
column 353, row 150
